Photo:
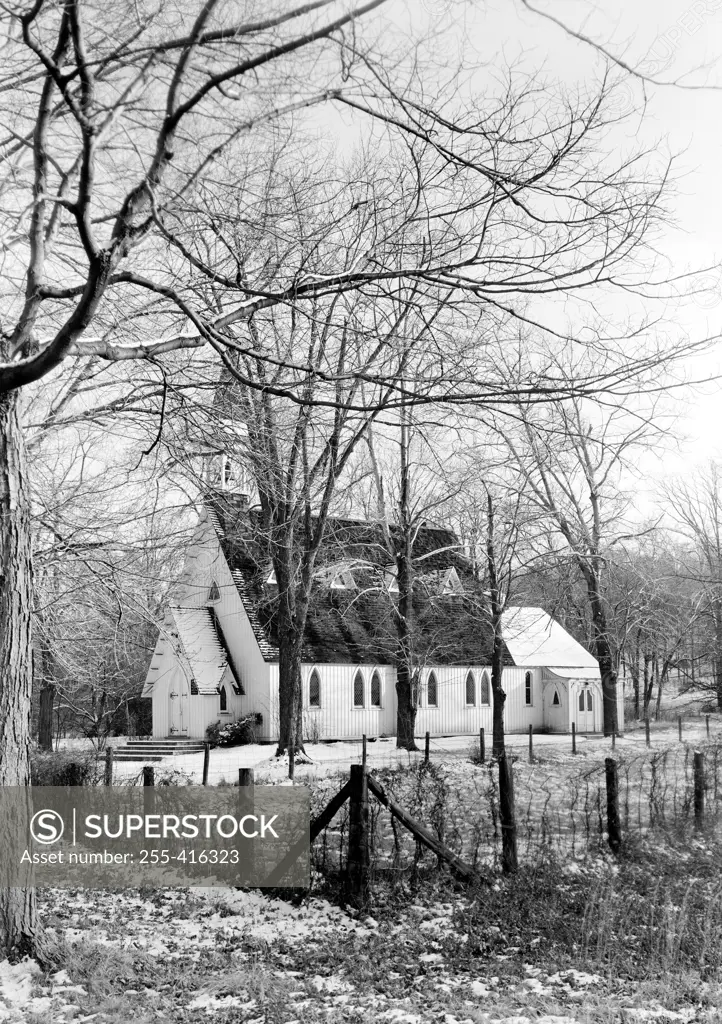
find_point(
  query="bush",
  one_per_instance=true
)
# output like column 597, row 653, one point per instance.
column 64, row 768
column 234, row 734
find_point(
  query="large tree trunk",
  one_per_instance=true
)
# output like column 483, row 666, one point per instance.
column 290, row 691
column 497, row 653
column 498, row 697
column 648, row 683
column 45, row 717
column 717, row 660
column 406, row 688
column 634, row 669
column 18, row 912
column 604, row 653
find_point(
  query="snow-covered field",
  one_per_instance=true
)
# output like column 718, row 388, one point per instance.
column 231, row 956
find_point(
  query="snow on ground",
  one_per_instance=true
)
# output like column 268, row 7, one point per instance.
column 325, row 759
column 241, row 956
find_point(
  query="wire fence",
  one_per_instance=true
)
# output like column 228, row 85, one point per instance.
column 560, row 797
column 561, row 809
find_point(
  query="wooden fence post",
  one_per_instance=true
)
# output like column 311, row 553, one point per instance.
column 246, row 806
column 482, row 748
column 291, row 761
column 363, row 750
column 707, row 723
column 614, row 829
column 206, row 762
column 679, row 727
column 357, row 870
column 148, row 775
column 646, row 732
column 698, row 787
column 531, row 746
column 427, row 742
column 574, row 737
column 614, row 741
column 108, row 766
column 507, row 817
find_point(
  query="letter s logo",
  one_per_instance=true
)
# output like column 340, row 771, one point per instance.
column 46, row 827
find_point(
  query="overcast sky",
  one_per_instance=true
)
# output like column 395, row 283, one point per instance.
column 671, row 40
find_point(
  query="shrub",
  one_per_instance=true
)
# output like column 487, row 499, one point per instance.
column 64, row 768
column 234, row 734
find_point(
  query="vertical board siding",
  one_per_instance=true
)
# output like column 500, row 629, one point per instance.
column 337, row 718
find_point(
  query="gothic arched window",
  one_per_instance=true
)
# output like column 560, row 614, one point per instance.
column 314, row 690
column 432, row 691
column 358, row 690
column 485, row 689
column 376, row 690
column 470, row 688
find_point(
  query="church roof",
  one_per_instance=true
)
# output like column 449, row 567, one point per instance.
column 351, row 617
column 201, row 647
column 534, row 638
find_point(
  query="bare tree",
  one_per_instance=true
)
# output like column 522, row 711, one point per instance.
column 572, row 459
column 694, row 505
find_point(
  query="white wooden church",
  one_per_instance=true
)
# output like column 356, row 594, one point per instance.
column 216, row 658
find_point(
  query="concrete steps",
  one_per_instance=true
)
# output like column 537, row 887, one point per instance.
column 149, row 750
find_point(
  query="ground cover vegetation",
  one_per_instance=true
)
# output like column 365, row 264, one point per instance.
column 592, row 938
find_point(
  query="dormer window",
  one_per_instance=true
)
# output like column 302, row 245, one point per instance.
column 452, row 584
column 391, row 583
column 270, row 580
column 214, row 594
column 223, row 699
column 555, row 699
column 343, row 581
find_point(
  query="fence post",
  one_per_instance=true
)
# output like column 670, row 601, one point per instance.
column 291, row 761
column 679, row 727
column 707, row 723
column 246, row 805
column 531, row 745
column 614, row 829
column 574, row 737
column 482, row 747
column 646, row 732
column 206, row 762
column 108, row 766
column 427, row 742
column 507, row 817
column 148, row 775
column 614, row 741
column 363, row 750
column 698, row 787
column 357, row 870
